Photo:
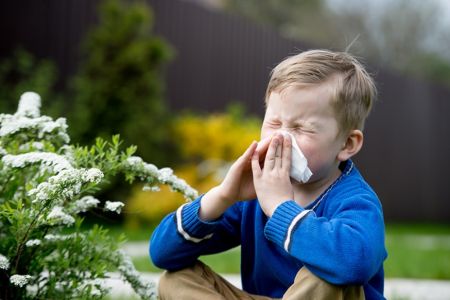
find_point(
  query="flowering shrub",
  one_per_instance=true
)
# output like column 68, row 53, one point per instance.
column 45, row 183
column 223, row 136
column 146, row 209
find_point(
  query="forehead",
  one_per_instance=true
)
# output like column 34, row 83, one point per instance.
column 304, row 99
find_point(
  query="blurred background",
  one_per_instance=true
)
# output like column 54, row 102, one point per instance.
column 184, row 80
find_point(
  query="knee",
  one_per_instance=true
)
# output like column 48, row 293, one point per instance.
column 171, row 279
column 167, row 285
column 309, row 286
column 172, row 282
column 166, row 280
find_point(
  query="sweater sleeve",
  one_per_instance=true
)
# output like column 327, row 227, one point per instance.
column 346, row 248
column 182, row 237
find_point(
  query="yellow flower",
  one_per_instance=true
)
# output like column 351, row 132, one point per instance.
column 208, row 145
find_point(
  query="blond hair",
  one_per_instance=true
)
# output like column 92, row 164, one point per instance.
column 354, row 89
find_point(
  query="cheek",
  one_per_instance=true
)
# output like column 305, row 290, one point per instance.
column 320, row 157
column 312, row 152
column 307, row 149
column 266, row 132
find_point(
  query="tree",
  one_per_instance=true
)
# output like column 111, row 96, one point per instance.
column 394, row 33
column 119, row 86
column 304, row 19
column 406, row 35
column 22, row 72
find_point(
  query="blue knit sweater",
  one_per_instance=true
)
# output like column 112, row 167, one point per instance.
column 339, row 237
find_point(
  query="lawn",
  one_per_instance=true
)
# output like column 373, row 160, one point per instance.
column 415, row 251
column 418, row 251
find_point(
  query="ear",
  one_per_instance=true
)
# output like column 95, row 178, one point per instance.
column 352, row 144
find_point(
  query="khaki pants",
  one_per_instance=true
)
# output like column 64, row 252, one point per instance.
column 200, row 282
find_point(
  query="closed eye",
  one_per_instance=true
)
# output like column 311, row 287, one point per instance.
column 303, row 129
column 273, row 124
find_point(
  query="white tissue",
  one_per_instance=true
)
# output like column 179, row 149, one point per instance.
column 299, row 163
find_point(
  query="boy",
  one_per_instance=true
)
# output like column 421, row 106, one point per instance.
column 319, row 239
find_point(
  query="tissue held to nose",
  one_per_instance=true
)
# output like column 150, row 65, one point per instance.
column 299, row 163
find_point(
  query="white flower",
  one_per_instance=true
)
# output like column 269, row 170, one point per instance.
column 114, row 206
column 20, row 280
column 50, row 237
column 3, row 151
column 59, row 127
column 31, row 146
column 65, row 185
column 59, row 216
column 96, row 285
column 147, row 188
column 57, row 237
column 29, row 105
column 55, row 161
column 49, row 127
column 4, row 262
column 96, row 292
column 42, row 192
column 38, row 145
column 27, row 118
column 165, row 174
column 85, row 203
column 143, row 288
column 32, row 243
column 150, row 174
column 143, row 169
column 151, row 169
column 93, row 175
column 67, row 152
column 134, row 160
column 43, row 125
column 53, row 237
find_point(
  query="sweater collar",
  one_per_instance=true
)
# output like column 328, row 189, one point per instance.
column 346, row 167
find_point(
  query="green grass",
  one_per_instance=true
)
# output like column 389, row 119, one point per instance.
column 418, row 251
column 132, row 235
column 415, row 251
column 225, row 262
column 417, row 228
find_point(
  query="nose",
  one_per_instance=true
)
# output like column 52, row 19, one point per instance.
column 284, row 132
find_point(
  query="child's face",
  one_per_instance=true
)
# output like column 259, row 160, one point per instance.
column 306, row 112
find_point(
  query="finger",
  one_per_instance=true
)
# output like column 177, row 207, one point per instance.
column 287, row 154
column 263, row 145
column 256, row 169
column 278, row 154
column 249, row 152
column 269, row 162
column 262, row 148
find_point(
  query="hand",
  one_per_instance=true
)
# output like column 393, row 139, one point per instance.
column 237, row 185
column 272, row 182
